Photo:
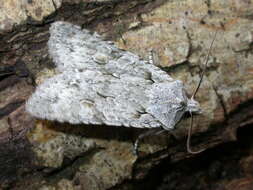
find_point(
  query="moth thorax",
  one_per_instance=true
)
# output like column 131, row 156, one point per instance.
column 193, row 106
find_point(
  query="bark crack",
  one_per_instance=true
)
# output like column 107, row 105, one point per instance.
column 221, row 101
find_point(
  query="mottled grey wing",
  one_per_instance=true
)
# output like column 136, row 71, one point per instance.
column 74, row 49
column 168, row 103
column 98, row 84
column 91, row 97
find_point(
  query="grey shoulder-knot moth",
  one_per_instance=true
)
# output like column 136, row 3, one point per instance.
column 102, row 84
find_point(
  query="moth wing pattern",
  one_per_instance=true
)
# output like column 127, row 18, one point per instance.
column 168, row 103
column 74, row 49
column 101, row 84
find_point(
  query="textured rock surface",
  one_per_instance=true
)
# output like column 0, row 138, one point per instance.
column 52, row 146
column 13, row 12
column 91, row 161
column 179, row 32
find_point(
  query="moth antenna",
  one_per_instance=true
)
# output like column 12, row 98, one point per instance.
column 189, row 139
column 193, row 96
column 205, row 65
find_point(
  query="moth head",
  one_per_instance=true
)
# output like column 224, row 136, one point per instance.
column 193, row 106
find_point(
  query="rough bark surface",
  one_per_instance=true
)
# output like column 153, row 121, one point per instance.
column 49, row 155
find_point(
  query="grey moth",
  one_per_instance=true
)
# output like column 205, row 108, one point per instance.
column 99, row 83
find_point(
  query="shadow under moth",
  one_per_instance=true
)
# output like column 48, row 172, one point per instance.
column 101, row 84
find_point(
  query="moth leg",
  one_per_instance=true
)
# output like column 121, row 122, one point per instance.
column 145, row 134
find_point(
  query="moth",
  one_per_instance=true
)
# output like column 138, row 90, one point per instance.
column 100, row 84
